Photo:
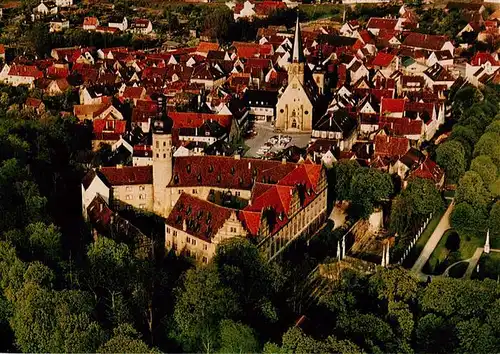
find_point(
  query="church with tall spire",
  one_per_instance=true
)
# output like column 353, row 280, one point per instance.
column 295, row 107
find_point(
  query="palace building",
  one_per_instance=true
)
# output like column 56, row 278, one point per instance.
column 296, row 105
column 277, row 201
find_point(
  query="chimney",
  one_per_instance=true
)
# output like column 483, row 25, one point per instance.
column 283, row 161
column 237, row 157
column 184, row 225
column 387, row 139
column 249, row 165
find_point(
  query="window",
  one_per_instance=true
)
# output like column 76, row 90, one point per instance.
column 237, row 193
column 205, row 260
column 164, row 143
column 142, row 206
column 128, row 197
column 174, row 233
column 294, row 123
column 157, row 144
column 168, row 230
column 129, row 189
column 164, row 155
column 174, row 246
column 168, row 243
column 193, row 242
column 205, row 247
column 157, row 155
column 195, row 191
column 306, row 113
column 141, row 188
column 188, row 253
column 233, row 229
column 188, row 239
column 142, row 196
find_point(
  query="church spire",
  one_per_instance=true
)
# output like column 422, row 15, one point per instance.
column 298, row 53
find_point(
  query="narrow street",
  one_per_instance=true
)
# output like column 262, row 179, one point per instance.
column 444, row 224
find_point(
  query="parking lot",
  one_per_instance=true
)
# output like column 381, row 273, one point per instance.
column 268, row 142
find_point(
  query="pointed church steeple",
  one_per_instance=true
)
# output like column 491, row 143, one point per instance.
column 298, row 52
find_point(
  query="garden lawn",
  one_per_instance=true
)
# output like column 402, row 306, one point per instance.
column 489, row 266
column 419, row 246
column 441, row 258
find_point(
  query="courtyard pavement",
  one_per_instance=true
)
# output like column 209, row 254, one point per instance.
column 265, row 131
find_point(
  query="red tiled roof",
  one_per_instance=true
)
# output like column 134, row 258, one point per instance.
column 25, row 71
column 386, row 145
column 133, row 92
column 205, row 47
column 264, row 8
column 426, row 41
column 250, row 220
column 193, row 120
column 401, row 126
column 428, row 170
column 128, row 175
column 201, row 218
column 55, row 72
column 481, row 58
column 33, row 102
column 382, row 23
column 383, row 59
column 90, row 21
column 392, row 105
column 118, row 126
column 227, row 172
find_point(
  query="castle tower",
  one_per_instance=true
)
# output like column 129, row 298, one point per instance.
column 162, row 164
column 296, row 67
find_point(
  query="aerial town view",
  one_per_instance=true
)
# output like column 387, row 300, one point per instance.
column 250, row 176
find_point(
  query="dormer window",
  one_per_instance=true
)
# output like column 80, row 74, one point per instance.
column 176, row 179
column 211, row 168
column 188, row 210
column 232, row 170
column 240, row 180
column 188, row 168
column 218, row 178
column 199, row 178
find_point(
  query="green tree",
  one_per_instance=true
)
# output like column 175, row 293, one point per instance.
column 466, row 136
column 494, row 221
column 415, row 203
column 494, row 127
column 202, row 303
column 475, row 336
column 369, row 186
column 485, row 167
column 54, row 321
column 242, row 268
column 464, row 217
column 110, row 273
column 125, row 339
column 400, row 313
column 472, row 190
column 488, row 145
column 235, row 337
column 450, row 155
column 44, row 241
column 344, row 172
column 433, row 334
column 394, row 285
